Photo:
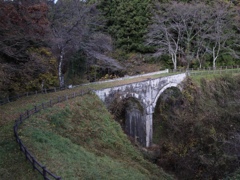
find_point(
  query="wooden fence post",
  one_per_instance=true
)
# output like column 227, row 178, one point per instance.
column 33, row 163
column 35, row 108
column 20, row 144
column 20, row 118
column 44, row 172
column 15, row 129
column 25, row 152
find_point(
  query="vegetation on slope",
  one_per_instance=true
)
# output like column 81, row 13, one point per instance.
column 94, row 139
column 198, row 132
column 80, row 140
column 59, row 137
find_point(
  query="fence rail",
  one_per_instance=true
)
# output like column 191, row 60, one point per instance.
column 43, row 91
column 192, row 71
column 219, row 70
column 47, row 175
column 208, row 70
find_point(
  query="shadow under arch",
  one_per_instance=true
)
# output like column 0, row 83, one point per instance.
column 170, row 85
column 170, row 98
column 129, row 112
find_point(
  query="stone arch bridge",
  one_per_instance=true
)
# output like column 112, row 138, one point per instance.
column 139, row 115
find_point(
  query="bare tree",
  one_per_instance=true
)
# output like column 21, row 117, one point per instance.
column 74, row 26
column 200, row 51
column 178, row 25
column 195, row 18
column 165, row 35
column 195, row 27
column 221, row 31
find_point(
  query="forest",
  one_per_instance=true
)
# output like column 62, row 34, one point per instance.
column 46, row 43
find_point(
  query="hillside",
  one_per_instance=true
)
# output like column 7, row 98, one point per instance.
column 197, row 131
column 77, row 139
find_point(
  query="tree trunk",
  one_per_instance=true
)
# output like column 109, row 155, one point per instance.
column 188, row 53
column 174, row 60
column 60, row 64
column 199, row 61
column 215, row 56
column 214, row 63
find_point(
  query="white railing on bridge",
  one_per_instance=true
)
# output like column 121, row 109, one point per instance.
column 130, row 77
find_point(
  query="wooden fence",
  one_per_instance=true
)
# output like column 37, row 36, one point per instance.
column 43, row 91
column 219, row 70
column 191, row 71
column 209, row 70
column 47, row 175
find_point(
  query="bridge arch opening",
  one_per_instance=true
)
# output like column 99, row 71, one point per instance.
column 129, row 112
column 170, row 98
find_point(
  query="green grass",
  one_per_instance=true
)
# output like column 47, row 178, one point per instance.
column 79, row 139
column 97, row 138
column 210, row 75
column 13, row 163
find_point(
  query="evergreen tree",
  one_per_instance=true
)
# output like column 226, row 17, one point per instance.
column 127, row 22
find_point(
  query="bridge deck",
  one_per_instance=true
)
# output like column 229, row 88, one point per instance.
column 129, row 80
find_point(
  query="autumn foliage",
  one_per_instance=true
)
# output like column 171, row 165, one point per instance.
column 24, row 55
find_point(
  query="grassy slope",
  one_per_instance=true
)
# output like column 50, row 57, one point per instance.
column 111, row 152
column 80, row 140
column 12, row 162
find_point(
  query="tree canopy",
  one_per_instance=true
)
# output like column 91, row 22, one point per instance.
column 127, row 22
column 187, row 31
column 42, row 41
column 25, row 60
